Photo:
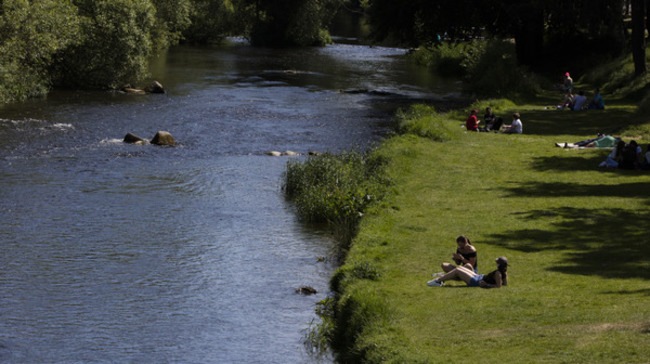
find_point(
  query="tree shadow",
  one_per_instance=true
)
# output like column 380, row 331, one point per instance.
column 570, row 164
column 561, row 189
column 611, row 243
column 631, row 292
column 590, row 122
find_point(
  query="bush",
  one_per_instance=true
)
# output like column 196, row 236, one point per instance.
column 422, row 120
column 494, row 71
column 489, row 68
column 446, row 58
column 336, row 188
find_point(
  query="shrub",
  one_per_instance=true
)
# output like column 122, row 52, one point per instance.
column 446, row 58
column 493, row 70
column 489, row 68
column 336, row 188
column 422, row 120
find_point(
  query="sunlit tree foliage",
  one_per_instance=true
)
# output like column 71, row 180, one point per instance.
column 32, row 33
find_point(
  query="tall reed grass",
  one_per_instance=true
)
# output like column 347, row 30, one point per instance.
column 336, row 189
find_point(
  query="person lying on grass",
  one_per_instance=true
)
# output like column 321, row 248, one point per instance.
column 465, row 256
column 494, row 279
column 601, row 141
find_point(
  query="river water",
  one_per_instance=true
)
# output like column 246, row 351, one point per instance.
column 116, row 253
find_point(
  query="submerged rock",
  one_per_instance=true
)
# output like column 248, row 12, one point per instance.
column 306, row 290
column 275, row 153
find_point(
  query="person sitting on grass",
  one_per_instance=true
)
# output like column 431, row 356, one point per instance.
column 615, row 156
column 494, row 279
column 630, row 156
column 516, row 127
column 567, row 102
column 471, row 124
column 645, row 159
column 492, row 122
column 465, row 256
column 579, row 101
column 597, row 103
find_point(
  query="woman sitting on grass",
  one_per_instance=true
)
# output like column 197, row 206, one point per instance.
column 494, row 279
column 465, row 256
column 515, row 127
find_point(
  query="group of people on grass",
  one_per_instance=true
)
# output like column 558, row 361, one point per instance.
column 623, row 155
column 466, row 269
column 493, row 123
column 628, row 156
column 579, row 101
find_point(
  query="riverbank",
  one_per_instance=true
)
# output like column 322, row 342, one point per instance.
column 574, row 234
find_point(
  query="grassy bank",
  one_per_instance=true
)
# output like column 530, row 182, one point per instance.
column 576, row 237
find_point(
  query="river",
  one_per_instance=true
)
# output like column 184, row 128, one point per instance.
column 118, row 253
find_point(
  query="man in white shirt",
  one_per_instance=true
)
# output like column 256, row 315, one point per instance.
column 516, row 127
column 579, row 101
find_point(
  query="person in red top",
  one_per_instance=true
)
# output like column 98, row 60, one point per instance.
column 471, row 124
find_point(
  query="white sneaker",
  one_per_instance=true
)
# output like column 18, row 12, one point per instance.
column 434, row 275
column 435, row 283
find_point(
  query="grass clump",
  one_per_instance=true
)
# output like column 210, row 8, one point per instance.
column 336, row 188
column 423, row 121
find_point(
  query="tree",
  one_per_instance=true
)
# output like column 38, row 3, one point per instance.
column 422, row 21
column 288, row 22
column 638, row 36
column 211, row 20
column 172, row 18
column 31, row 35
column 116, row 47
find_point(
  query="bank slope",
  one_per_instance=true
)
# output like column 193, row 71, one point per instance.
column 576, row 237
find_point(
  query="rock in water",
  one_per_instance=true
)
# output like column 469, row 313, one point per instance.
column 306, row 290
column 163, row 138
column 131, row 138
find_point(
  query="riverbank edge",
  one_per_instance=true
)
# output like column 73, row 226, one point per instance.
column 369, row 320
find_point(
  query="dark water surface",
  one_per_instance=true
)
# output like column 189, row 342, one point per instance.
column 116, row 253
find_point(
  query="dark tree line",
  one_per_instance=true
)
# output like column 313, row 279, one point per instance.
column 543, row 30
column 107, row 43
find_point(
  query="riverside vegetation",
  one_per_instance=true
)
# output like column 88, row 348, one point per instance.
column 575, row 235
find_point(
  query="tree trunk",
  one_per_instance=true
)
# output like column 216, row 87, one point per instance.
column 529, row 38
column 638, row 36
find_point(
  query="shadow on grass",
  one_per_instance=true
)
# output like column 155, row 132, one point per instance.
column 612, row 243
column 590, row 122
column 560, row 189
column 571, row 163
column 630, row 292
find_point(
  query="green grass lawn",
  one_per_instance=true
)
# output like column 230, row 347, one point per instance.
column 576, row 237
